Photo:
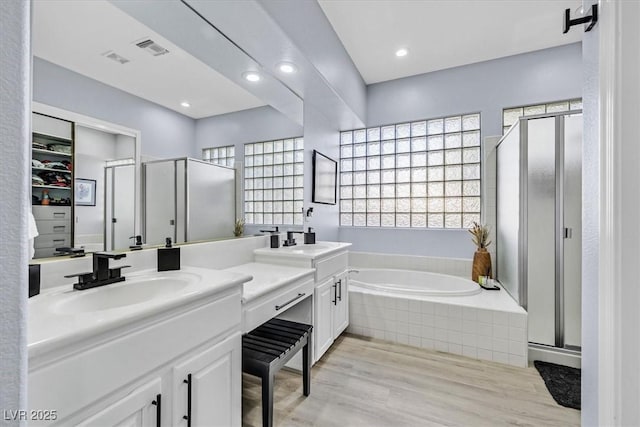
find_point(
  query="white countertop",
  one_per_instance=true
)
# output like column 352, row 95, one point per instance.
column 268, row 277
column 317, row 250
column 51, row 326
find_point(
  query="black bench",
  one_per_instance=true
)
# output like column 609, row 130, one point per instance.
column 268, row 348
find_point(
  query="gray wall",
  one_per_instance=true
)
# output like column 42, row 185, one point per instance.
column 15, row 119
column 318, row 131
column 165, row 133
column 487, row 87
column 254, row 125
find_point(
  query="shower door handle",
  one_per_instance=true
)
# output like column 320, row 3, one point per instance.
column 567, row 233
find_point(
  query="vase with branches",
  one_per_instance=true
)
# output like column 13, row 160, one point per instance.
column 481, row 258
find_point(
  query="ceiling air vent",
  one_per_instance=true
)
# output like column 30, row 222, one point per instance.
column 152, row 47
column 114, row 56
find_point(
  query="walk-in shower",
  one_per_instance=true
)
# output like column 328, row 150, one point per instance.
column 539, row 193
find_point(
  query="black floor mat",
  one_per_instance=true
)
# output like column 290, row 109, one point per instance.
column 562, row 382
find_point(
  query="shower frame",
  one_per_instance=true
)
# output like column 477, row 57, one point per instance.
column 560, row 231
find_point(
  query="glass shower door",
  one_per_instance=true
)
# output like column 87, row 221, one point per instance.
column 571, row 233
column 541, row 229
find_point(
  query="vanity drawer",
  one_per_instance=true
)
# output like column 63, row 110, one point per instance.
column 270, row 305
column 54, row 226
column 331, row 266
column 52, row 241
column 51, row 212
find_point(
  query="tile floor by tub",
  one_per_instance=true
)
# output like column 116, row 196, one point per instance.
column 494, row 335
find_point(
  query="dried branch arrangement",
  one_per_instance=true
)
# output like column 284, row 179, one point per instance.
column 480, row 235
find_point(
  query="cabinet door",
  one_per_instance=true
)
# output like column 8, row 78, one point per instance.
column 324, row 301
column 341, row 308
column 212, row 382
column 138, row 408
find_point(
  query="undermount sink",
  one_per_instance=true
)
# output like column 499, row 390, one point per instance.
column 134, row 290
column 308, row 248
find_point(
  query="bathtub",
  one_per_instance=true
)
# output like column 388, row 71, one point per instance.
column 438, row 312
column 407, row 282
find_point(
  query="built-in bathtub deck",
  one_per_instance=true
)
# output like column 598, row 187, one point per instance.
column 488, row 326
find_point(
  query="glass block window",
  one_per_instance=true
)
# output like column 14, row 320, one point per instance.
column 224, row 156
column 424, row 174
column 273, row 181
column 511, row 115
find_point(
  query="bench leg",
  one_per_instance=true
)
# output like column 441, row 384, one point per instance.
column 267, row 399
column 306, row 369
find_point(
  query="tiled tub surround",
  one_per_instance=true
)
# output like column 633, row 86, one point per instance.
column 487, row 326
column 452, row 266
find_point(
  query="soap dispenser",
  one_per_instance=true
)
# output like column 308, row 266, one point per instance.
column 168, row 257
column 274, row 239
column 310, row 237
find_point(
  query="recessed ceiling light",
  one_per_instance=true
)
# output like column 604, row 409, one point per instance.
column 401, row 52
column 185, row 104
column 252, row 76
column 287, row 67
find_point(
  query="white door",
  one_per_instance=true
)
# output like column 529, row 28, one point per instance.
column 341, row 308
column 138, row 408
column 212, row 382
column 324, row 300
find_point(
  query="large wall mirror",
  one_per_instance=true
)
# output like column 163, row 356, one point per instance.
column 144, row 82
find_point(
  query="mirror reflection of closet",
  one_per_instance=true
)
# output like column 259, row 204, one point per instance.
column 108, row 159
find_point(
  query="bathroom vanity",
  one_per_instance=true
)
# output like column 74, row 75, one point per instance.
column 331, row 293
column 157, row 349
column 167, row 345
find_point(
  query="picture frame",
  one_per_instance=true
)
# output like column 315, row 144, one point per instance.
column 85, row 192
column 325, row 179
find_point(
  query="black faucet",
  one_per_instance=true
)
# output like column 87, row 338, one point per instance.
column 290, row 240
column 101, row 274
column 65, row 250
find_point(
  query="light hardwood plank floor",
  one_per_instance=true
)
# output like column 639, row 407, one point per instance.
column 367, row 382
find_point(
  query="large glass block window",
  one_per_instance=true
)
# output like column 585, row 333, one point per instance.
column 273, row 182
column 224, row 156
column 511, row 115
column 424, row 174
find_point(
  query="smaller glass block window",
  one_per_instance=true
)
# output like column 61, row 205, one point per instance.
column 273, row 182
column 423, row 174
column 511, row 115
column 224, row 156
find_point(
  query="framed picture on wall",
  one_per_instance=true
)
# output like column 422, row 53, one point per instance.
column 325, row 173
column 85, row 192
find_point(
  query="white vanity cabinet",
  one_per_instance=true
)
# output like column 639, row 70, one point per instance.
column 207, row 387
column 182, row 361
column 331, row 312
column 331, row 293
column 139, row 408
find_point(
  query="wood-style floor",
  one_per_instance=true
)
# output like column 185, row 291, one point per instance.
column 366, row 382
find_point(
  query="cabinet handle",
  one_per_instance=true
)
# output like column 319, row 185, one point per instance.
column 335, row 294
column 278, row 307
column 188, row 416
column 158, row 403
column 58, row 228
column 59, row 214
column 340, row 287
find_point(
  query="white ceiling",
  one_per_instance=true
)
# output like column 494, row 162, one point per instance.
column 441, row 34
column 74, row 34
